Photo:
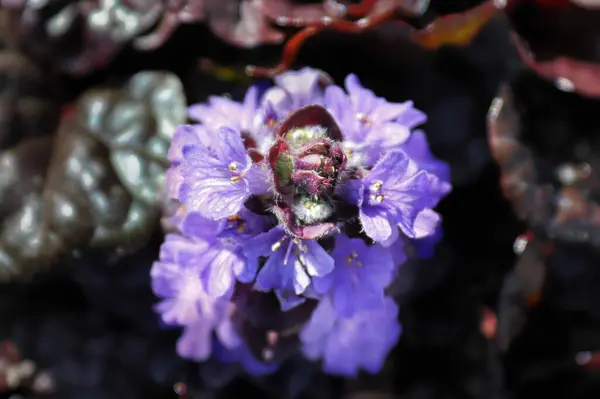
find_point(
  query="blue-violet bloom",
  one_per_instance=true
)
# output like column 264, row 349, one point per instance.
column 295, row 208
column 290, row 263
column 223, row 242
column 348, row 345
column 220, row 177
column 179, row 279
column 371, row 125
column 391, row 194
column 361, row 274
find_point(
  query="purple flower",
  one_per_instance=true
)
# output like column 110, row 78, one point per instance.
column 426, row 223
column 290, row 264
column 223, row 256
column 439, row 171
column 179, row 279
column 397, row 252
column 347, row 345
column 392, row 193
column 184, row 135
column 359, row 278
column 219, row 178
column 295, row 90
column 270, row 193
column 224, row 112
column 195, row 342
column 371, row 125
column 201, row 339
column 254, row 123
column 425, row 247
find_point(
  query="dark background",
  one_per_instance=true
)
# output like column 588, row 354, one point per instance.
column 90, row 323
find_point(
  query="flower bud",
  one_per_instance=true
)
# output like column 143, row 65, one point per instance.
column 311, row 182
column 306, row 161
column 294, row 221
column 308, row 118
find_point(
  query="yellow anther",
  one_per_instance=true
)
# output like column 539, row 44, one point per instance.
column 375, row 187
column 351, row 257
column 363, row 118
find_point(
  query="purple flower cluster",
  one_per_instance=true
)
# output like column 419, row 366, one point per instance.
column 306, row 193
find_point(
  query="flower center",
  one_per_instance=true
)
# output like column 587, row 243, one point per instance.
column 278, row 244
column 353, row 259
column 363, row 119
column 235, row 177
column 268, row 118
column 235, row 223
column 375, row 188
column 302, row 248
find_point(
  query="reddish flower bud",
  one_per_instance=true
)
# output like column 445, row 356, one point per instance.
column 289, row 219
column 282, row 166
column 319, row 146
column 306, row 161
column 310, row 162
column 311, row 182
column 313, row 115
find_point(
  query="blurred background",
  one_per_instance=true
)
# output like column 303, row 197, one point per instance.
column 507, row 304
